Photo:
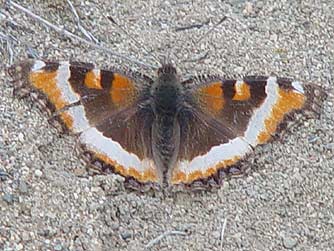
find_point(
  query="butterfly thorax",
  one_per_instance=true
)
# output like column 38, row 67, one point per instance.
column 166, row 92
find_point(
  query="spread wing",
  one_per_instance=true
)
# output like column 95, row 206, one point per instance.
column 107, row 109
column 225, row 119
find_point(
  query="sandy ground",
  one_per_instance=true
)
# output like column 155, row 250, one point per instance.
column 47, row 200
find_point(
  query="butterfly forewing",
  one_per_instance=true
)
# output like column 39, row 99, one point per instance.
column 106, row 108
column 230, row 117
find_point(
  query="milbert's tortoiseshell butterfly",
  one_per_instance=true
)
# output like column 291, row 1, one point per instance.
column 164, row 132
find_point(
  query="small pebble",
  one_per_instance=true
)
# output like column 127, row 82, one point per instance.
column 248, row 10
column 23, row 188
column 25, row 236
column 3, row 175
column 38, row 173
column 21, row 137
column 19, row 247
column 289, row 242
column 58, row 247
column 126, row 235
column 80, row 171
column 9, row 198
column 273, row 37
column 226, row 185
column 329, row 146
column 239, row 70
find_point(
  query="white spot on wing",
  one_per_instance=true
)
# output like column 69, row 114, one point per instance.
column 298, row 86
column 238, row 86
column 38, row 64
column 96, row 72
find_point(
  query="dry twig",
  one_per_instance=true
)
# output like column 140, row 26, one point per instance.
column 73, row 36
column 222, row 233
column 164, row 235
column 86, row 33
column 7, row 42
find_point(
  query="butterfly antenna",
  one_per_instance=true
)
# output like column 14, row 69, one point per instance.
column 138, row 44
column 167, row 58
column 205, row 36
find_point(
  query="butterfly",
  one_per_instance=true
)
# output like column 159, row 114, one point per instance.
column 164, row 132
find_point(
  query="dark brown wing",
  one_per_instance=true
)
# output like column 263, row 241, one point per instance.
column 108, row 109
column 226, row 119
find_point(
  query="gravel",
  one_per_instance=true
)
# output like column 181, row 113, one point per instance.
column 285, row 202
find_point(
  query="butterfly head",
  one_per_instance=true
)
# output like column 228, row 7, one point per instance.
column 167, row 69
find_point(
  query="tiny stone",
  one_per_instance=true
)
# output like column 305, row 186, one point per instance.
column 273, row 37
column 66, row 229
column 23, row 188
column 38, row 173
column 216, row 234
column 8, row 198
column 21, row 137
column 79, row 172
column 3, row 175
column 90, row 231
column 239, row 70
column 25, row 236
column 248, row 8
column 237, row 237
column 19, row 247
column 226, row 185
column 58, row 247
column 289, row 242
column 329, row 146
column 75, row 195
column 114, row 226
column 126, row 235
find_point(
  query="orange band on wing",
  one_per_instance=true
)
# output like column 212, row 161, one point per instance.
column 46, row 82
column 242, row 91
column 287, row 102
column 67, row 119
column 212, row 96
column 194, row 175
column 92, row 80
column 182, row 177
column 122, row 90
column 148, row 175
